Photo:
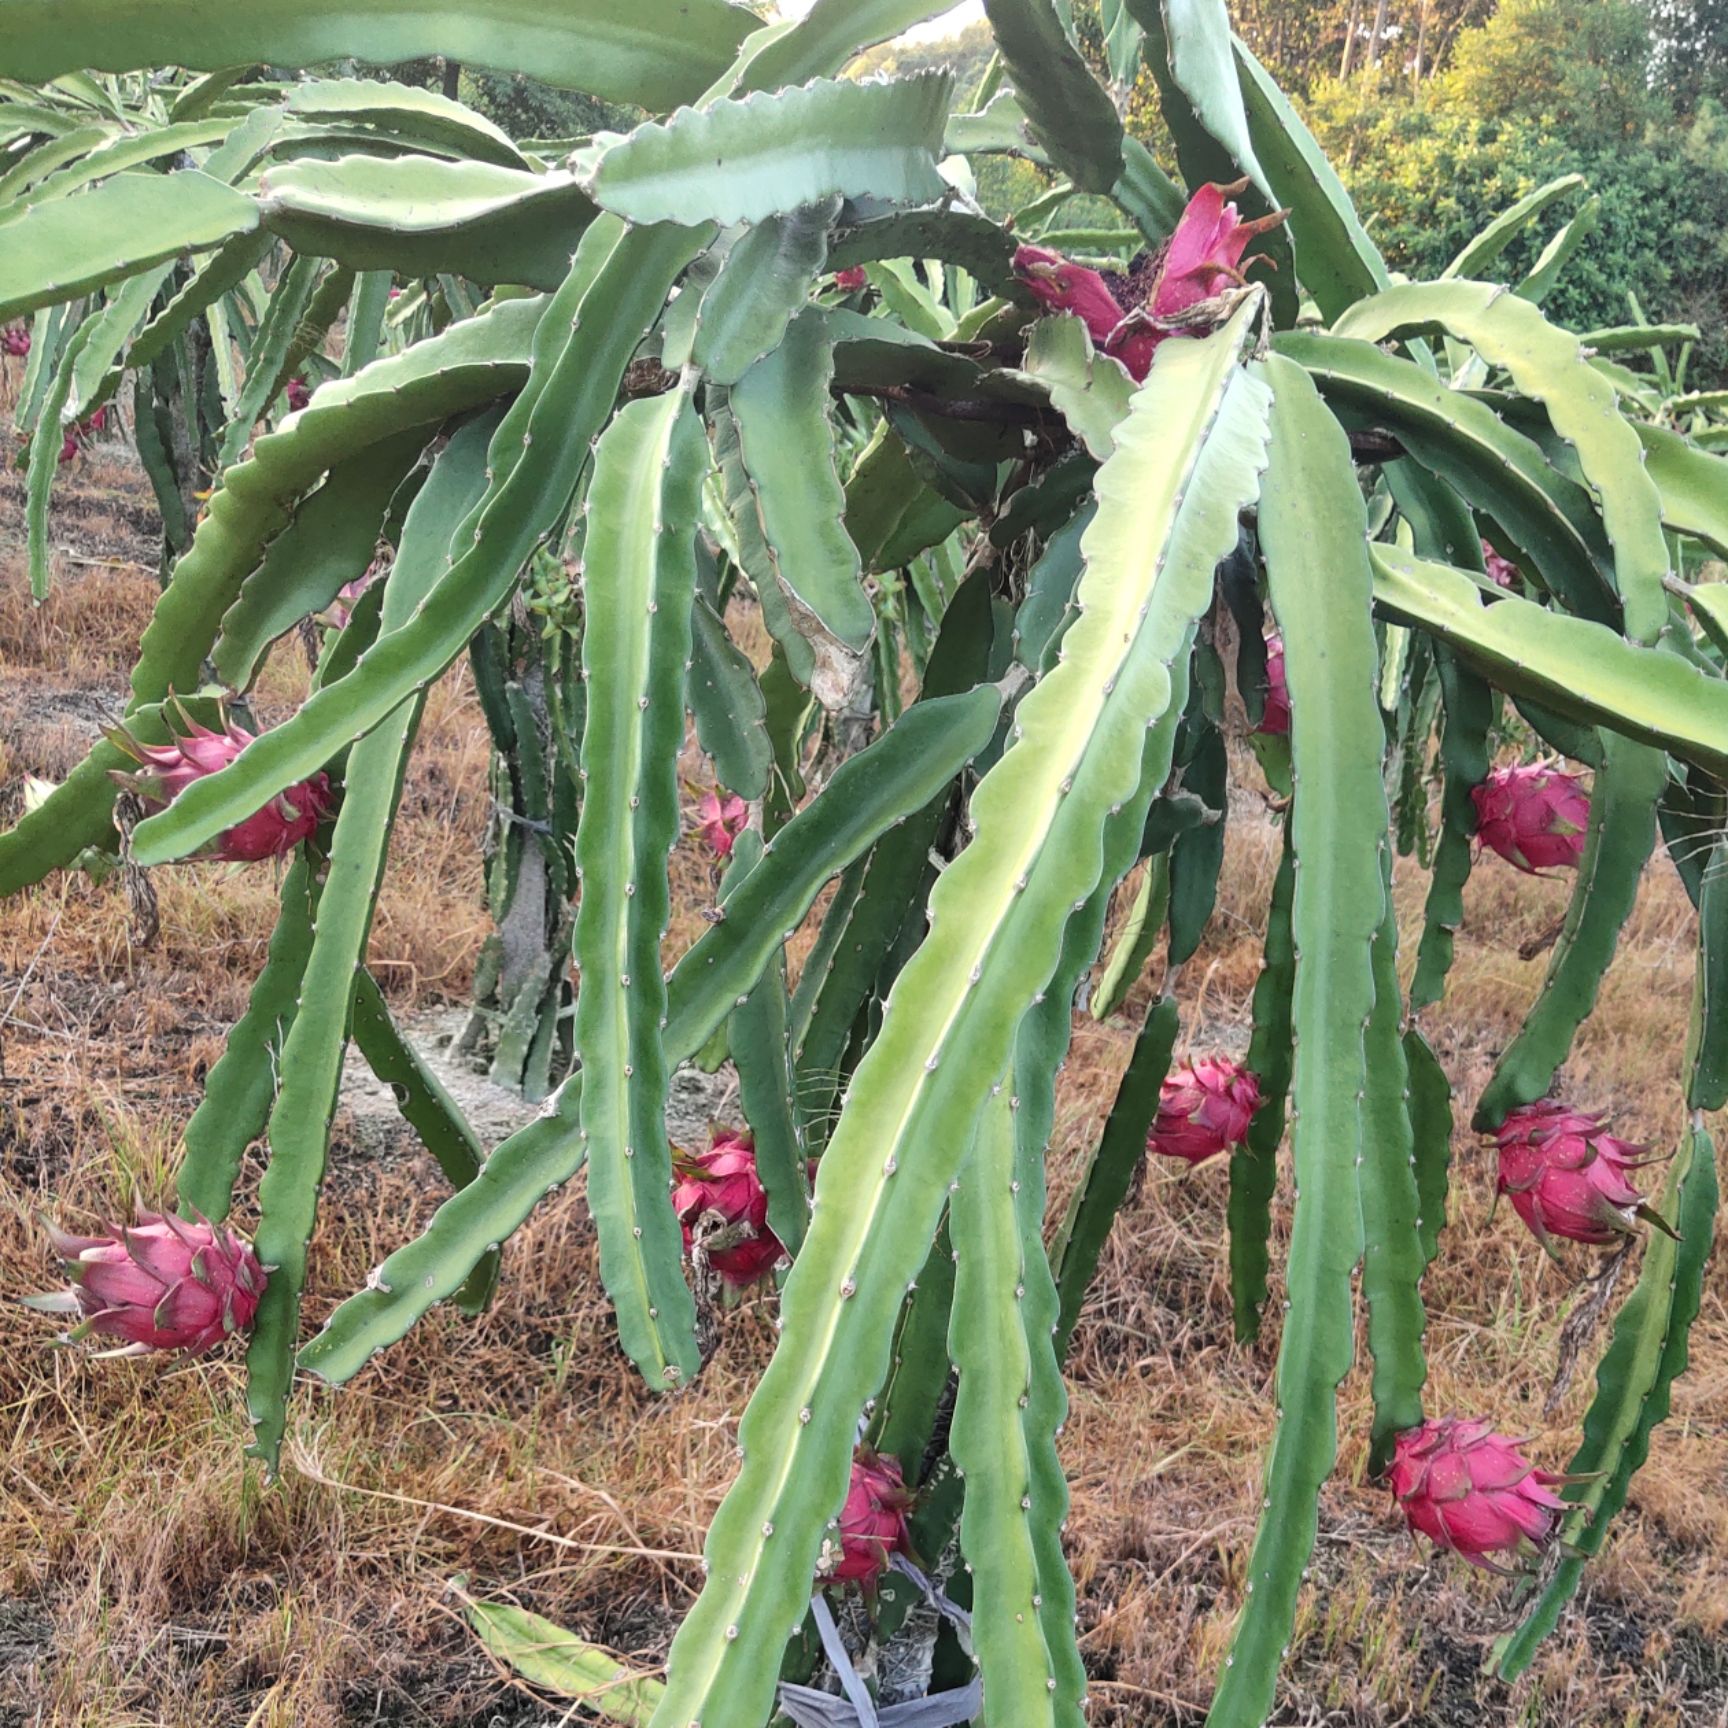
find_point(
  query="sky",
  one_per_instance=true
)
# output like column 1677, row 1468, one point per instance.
column 950, row 22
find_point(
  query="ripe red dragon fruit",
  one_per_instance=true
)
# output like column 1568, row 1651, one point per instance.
column 1129, row 315
column 1473, row 1491
column 721, row 1185
column 15, row 340
column 1502, row 572
column 79, row 435
column 1275, row 714
column 341, row 609
column 165, row 1284
column 168, row 769
column 1535, row 816
column 299, row 393
column 850, row 281
column 873, row 1524
column 720, row 821
column 1204, row 1108
column 1566, row 1174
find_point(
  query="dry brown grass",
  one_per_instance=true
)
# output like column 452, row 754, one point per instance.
column 150, row 1579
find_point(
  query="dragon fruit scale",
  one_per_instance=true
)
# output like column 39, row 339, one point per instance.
column 1473, row 1491
column 166, row 770
column 166, row 1283
column 1204, row 1108
column 1565, row 1174
column 1535, row 816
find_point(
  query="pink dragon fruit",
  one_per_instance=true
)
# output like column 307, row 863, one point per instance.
column 165, row 1284
column 873, row 1524
column 1129, row 315
column 720, row 821
column 1204, row 1108
column 15, row 340
column 1535, row 816
column 341, row 609
column 1471, row 1490
column 722, row 1184
column 850, row 281
column 1275, row 715
column 299, row 393
column 79, row 435
column 1502, row 572
column 168, row 769
column 1566, row 1174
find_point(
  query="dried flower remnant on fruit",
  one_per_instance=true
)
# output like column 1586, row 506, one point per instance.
column 164, row 1284
column 1534, row 815
column 1204, row 1108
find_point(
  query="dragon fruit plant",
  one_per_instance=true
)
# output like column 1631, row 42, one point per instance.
column 1018, row 520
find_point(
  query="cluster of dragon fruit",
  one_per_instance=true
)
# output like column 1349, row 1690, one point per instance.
column 168, row 1283
column 187, row 1285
